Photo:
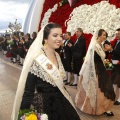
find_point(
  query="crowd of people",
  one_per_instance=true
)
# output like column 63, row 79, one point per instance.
column 51, row 60
column 96, row 88
column 16, row 45
column 72, row 55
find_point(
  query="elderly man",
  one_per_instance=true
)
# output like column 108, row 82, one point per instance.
column 79, row 51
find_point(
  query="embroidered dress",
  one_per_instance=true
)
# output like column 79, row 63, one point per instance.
column 50, row 99
column 41, row 84
column 95, row 94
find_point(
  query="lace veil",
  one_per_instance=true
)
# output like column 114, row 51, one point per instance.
column 88, row 73
column 33, row 52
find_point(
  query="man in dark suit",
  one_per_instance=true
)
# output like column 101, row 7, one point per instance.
column 116, row 61
column 79, row 51
column 67, row 54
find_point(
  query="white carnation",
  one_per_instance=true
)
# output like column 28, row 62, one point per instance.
column 110, row 65
column 44, row 117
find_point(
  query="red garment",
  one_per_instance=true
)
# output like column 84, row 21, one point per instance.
column 8, row 55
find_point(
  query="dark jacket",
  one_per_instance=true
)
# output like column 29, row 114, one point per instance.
column 116, row 51
column 67, row 49
column 79, row 48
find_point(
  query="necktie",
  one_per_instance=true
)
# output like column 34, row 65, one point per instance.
column 116, row 44
column 76, row 42
column 66, row 42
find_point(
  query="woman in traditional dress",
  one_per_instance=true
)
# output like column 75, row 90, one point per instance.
column 43, row 72
column 95, row 93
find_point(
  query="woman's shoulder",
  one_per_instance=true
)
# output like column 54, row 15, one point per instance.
column 97, row 46
column 57, row 53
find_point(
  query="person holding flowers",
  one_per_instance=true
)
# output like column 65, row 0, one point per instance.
column 95, row 93
column 41, row 82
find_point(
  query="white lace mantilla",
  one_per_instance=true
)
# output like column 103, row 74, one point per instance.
column 89, row 78
column 61, row 68
column 40, row 72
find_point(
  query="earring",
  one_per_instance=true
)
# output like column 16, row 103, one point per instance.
column 46, row 44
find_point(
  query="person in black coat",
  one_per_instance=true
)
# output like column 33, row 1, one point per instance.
column 14, row 47
column 105, row 44
column 27, row 43
column 108, row 53
column 116, row 61
column 34, row 35
column 21, row 51
column 51, row 96
column 79, row 51
column 67, row 56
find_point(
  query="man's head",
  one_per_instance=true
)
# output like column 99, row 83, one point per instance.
column 67, row 36
column 79, row 32
column 118, row 33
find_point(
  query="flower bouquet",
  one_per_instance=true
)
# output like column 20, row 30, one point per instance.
column 29, row 114
column 108, row 64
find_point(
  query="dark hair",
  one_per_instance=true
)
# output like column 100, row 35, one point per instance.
column 16, row 34
column 80, row 29
column 106, row 42
column 118, row 29
column 28, row 34
column 47, row 29
column 22, row 33
column 69, row 33
column 101, row 31
column 23, row 38
column 35, row 34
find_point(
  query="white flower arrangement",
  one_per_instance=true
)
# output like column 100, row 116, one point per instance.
column 47, row 15
column 108, row 64
column 29, row 114
column 91, row 18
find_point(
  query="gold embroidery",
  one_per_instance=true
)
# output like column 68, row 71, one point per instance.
column 49, row 66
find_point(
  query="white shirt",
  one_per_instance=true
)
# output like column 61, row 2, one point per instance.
column 76, row 42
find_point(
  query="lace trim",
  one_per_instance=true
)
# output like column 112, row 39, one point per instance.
column 40, row 72
column 61, row 68
column 100, row 51
column 89, row 79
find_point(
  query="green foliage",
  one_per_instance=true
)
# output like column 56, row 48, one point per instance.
column 25, row 112
column 63, row 2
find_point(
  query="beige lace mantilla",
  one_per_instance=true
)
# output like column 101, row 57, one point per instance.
column 89, row 82
column 37, row 70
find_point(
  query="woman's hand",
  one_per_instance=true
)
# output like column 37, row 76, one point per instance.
column 69, row 44
column 108, row 47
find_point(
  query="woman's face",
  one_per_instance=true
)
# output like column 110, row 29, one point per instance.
column 54, row 38
column 103, row 36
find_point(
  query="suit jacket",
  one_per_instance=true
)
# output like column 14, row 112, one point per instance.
column 116, row 51
column 79, row 49
column 27, row 45
column 14, row 46
column 67, row 49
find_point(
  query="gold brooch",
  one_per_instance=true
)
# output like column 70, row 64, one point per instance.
column 49, row 66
